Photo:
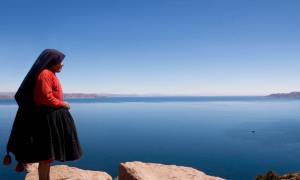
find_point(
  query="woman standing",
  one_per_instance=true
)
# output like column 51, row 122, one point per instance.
column 43, row 130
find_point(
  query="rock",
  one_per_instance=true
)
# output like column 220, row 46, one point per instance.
column 63, row 172
column 269, row 176
column 151, row 171
column 273, row 176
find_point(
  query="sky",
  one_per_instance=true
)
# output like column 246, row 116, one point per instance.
column 165, row 47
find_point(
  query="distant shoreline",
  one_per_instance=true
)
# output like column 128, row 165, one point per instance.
column 292, row 95
column 10, row 95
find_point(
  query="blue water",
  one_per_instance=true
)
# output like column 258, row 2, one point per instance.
column 212, row 134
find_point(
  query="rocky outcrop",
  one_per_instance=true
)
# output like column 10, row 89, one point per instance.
column 63, row 172
column 141, row 171
column 273, row 176
column 127, row 171
column 150, row 171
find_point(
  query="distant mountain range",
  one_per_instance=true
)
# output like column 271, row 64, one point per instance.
column 10, row 95
column 6, row 95
column 292, row 95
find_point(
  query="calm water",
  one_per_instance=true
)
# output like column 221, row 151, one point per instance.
column 210, row 134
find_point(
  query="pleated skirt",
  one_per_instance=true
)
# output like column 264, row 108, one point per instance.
column 53, row 137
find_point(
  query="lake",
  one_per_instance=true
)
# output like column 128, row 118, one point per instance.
column 231, row 137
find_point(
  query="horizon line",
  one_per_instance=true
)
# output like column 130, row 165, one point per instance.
column 148, row 94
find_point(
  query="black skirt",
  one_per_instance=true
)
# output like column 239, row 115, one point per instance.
column 51, row 135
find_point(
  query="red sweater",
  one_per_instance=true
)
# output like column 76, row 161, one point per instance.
column 48, row 90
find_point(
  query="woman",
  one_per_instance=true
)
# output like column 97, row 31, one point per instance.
column 43, row 130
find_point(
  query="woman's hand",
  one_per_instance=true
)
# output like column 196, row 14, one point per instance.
column 66, row 105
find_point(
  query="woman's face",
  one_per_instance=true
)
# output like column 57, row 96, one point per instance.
column 57, row 68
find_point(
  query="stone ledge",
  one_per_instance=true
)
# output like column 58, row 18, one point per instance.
column 151, row 171
column 63, row 172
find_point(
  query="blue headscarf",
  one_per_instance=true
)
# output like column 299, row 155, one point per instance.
column 46, row 59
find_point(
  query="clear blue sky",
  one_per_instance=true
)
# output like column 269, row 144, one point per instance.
column 192, row 47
